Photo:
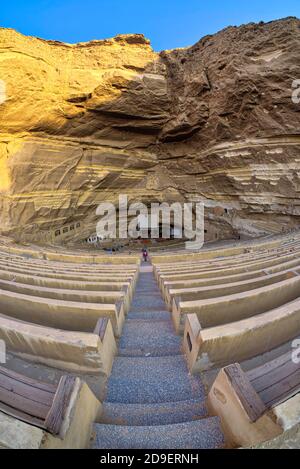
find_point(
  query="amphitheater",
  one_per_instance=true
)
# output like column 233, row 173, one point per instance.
column 190, row 349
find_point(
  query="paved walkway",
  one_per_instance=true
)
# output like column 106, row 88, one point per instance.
column 152, row 401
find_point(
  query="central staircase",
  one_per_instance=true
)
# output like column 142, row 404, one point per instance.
column 152, row 401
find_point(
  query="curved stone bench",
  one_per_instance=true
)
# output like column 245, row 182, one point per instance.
column 186, row 266
column 77, row 277
column 226, row 309
column 68, row 315
column 36, row 415
column 215, row 291
column 67, row 270
column 82, row 296
column 58, row 267
column 224, row 251
column 66, row 284
column 182, row 284
column 71, row 256
column 82, row 352
column 202, row 282
column 220, row 263
column 258, row 405
column 232, row 271
column 234, row 342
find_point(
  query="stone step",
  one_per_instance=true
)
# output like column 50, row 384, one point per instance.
column 145, row 292
column 151, row 380
column 147, row 302
column 165, row 413
column 199, row 434
column 156, row 315
column 143, row 337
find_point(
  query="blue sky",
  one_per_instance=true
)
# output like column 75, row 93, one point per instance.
column 167, row 23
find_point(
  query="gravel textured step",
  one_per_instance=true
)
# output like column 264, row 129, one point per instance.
column 153, row 414
column 148, row 337
column 146, row 303
column 200, row 434
column 150, row 314
column 152, row 379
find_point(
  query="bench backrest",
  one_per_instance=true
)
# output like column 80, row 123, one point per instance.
column 34, row 402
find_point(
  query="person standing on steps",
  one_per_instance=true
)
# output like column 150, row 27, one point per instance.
column 145, row 254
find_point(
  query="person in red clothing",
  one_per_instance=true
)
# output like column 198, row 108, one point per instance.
column 145, row 254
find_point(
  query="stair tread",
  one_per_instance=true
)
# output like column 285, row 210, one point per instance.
column 145, row 337
column 152, row 379
column 142, row 337
column 150, row 314
column 151, row 352
column 199, row 434
column 161, row 413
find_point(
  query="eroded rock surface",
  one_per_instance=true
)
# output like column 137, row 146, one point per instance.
column 82, row 123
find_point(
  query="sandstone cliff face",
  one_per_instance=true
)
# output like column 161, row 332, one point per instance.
column 81, row 123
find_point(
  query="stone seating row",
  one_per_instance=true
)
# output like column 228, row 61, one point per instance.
column 82, row 296
column 106, row 277
column 62, row 314
column 65, row 255
column 86, row 285
column 67, row 350
column 174, row 295
column 242, row 339
column 222, row 272
column 207, row 254
column 181, row 268
column 228, row 277
column 66, row 271
column 64, row 301
column 67, row 267
column 235, row 307
column 59, row 300
column 220, row 255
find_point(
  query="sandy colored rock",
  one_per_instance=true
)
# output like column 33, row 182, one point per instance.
column 82, row 123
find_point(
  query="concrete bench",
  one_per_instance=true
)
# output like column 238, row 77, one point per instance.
column 216, row 264
column 57, row 267
column 182, row 266
column 206, row 254
column 230, row 308
column 83, row 296
column 67, row 284
column 234, row 342
column 258, row 405
column 77, row 277
column 66, row 268
column 231, row 271
column 214, row 291
column 36, row 415
column 68, row 315
column 202, row 282
column 181, row 284
column 90, row 353
column 73, row 257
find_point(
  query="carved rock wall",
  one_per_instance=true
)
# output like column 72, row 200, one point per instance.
column 82, row 123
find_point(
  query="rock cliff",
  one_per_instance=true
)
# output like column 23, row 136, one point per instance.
column 81, row 123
